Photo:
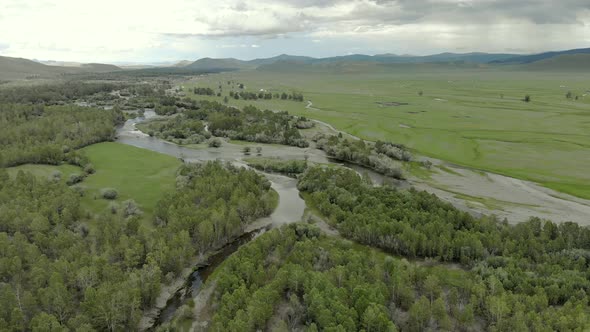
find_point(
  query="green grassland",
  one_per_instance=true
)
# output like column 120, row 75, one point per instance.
column 46, row 171
column 473, row 116
column 137, row 174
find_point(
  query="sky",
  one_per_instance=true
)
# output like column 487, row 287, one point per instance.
column 149, row 31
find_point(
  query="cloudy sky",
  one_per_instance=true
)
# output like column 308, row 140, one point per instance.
column 168, row 30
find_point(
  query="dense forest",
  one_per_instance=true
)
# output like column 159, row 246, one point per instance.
column 382, row 157
column 57, row 93
column 50, row 134
column 534, row 272
column 297, row 279
column 249, row 124
column 60, row 269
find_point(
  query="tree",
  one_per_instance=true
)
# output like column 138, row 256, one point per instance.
column 432, row 287
column 420, row 93
column 420, row 314
column 527, row 98
column 44, row 322
column 215, row 143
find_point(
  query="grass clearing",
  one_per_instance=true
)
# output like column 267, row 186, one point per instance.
column 469, row 116
column 45, row 171
column 136, row 173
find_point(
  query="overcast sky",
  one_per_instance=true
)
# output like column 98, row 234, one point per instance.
column 168, row 30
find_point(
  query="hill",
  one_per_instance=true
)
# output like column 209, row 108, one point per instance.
column 99, row 67
column 19, row 68
column 282, row 57
column 219, row 64
column 564, row 62
column 182, row 63
column 523, row 59
column 285, row 59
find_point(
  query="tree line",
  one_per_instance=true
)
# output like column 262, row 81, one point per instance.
column 245, row 95
column 533, row 273
column 55, row 93
column 49, row 134
column 383, row 157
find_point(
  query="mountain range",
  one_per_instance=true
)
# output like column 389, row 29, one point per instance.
column 583, row 57
column 576, row 59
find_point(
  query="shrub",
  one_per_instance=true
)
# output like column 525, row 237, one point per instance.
column 55, row 176
column 89, row 169
column 109, row 193
column 75, row 178
column 214, row 143
column 130, row 208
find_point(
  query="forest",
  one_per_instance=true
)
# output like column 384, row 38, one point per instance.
column 61, row 268
column 56, row 93
column 535, row 272
column 50, row 134
column 396, row 259
column 249, row 124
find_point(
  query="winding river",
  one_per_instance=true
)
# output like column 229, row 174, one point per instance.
column 290, row 208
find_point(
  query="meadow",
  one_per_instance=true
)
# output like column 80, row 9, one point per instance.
column 471, row 116
column 137, row 174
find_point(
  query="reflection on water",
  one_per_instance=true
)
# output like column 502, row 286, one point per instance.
column 200, row 275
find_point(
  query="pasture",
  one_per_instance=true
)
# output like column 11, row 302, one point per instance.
column 136, row 173
column 466, row 115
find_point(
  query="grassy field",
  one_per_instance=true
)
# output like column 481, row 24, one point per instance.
column 468, row 116
column 135, row 173
column 45, row 171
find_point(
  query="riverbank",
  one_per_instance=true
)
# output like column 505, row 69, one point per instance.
column 479, row 192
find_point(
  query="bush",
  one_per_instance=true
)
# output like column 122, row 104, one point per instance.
column 130, row 208
column 89, row 169
column 109, row 193
column 75, row 178
column 215, row 143
column 55, row 176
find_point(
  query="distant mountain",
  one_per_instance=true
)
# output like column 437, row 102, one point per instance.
column 182, row 63
column 563, row 62
column 235, row 64
column 219, row 64
column 19, row 68
column 99, row 67
column 282, row 57
column 522, row 59
column 90, row 67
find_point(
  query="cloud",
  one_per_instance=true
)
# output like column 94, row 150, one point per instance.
column 113, row 30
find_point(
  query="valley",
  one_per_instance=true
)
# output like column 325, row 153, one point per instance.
column 294, row 195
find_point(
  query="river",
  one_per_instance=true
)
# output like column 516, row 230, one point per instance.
column 289, row 209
